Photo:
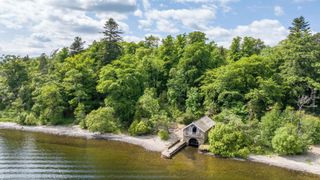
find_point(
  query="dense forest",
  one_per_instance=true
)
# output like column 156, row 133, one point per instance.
column 264, row 99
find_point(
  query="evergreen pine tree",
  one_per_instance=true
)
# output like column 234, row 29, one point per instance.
column 112, row 38
column 77, row 46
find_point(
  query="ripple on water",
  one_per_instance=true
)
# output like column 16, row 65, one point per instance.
column 39, row 156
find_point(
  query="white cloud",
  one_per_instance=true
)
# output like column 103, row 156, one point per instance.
column 138, row 13
column 270, row 31
column 169, row 20
column 42, row 26
column 146, row 4
column 95, row 5
column 132, row 38
column 278, row 11
column 224, row 4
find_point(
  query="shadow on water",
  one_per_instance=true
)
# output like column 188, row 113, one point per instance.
column 25, row 155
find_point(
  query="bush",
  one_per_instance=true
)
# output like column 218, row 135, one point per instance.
column 139, row 128
column 229, row 140
column 287, row 141
column 101, row 120
column 80, row 113
column 186, row 118
column 163, row 134
column 270, row 122
column 22, row 118
column 226, row 116
column 31, row 120
column 27, row 119
column 311, row 126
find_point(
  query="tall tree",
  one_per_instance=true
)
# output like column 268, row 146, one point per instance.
column 300, row 60
column 112, row 38
column 248, row 47
column 151, row 41
column 299, row 25
column 43, row 64
column 77, row 46
column 235, row 49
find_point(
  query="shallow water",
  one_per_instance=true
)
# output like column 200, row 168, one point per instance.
column 25, row 155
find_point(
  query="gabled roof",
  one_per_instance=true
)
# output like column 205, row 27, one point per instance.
column 204, row 123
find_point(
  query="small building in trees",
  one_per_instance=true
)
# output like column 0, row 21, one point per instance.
column 196, row 133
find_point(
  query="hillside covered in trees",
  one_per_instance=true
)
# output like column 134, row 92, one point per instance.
column 264, row 98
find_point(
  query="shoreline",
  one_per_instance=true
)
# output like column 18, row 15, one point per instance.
column 308, row 163
column 148, row 142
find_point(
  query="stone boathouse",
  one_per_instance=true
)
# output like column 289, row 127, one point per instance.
column 196, row 133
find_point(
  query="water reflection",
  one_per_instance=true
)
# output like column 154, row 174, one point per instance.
column 38, row 156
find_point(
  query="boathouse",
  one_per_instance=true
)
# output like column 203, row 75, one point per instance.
column 196, row 133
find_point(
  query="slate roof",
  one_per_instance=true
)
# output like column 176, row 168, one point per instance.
column 204, row 123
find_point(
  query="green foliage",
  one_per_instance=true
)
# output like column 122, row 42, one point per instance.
column 230, row 140
column 123, row 85
column 163, row 134
column 186, row 118
column 112, row 38
column 232, row 85
column 197, row 57
column 138, row 128
column 102, row 120
column 77, row 46
column 311, row 126
column 31, row 119
column 250, row 46
column 270, row 122
column 147, row 105
column 193, row 102
column 49, row 104
column 288, row 141
column 80, row 112
column 226, row 116
column 146, row 86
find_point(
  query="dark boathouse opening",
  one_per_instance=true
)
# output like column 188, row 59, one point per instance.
column 193, row 142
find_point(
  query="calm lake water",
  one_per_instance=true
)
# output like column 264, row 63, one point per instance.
column 25, row 155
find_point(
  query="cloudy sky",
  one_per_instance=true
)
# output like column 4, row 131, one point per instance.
column 35, row 26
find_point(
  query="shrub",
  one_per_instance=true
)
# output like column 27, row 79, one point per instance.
column 163, row 134
column 147, row 105
column 101, row 120
column 139, row 128
column 229, row 140
column 270, row 122
column 80, row 113
column 21, row 118
column 226, row 116
column 287, row 141
column 311, row 126
column 160, row 120
column 186, row 118
column 31, row 119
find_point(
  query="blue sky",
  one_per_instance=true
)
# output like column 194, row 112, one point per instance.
column 36, row 26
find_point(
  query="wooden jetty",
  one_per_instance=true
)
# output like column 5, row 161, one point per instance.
column 173, row 149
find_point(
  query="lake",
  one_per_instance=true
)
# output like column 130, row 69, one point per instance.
column 25, row 155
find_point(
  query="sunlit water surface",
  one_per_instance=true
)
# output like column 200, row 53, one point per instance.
column 25, row 155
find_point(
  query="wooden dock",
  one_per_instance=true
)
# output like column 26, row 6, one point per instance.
column 173, row 149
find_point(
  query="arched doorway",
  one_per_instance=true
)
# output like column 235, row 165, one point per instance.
column 193, row 142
